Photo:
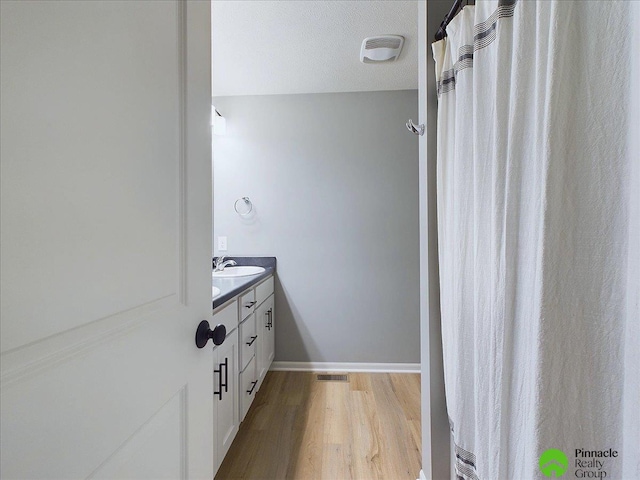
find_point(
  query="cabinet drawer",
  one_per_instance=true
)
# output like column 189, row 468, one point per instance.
column 264, row 290
column 248, row 387
column 248, row 341
column 246, row 304
column 227, row 316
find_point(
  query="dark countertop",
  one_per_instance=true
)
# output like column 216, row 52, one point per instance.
column 230, row 287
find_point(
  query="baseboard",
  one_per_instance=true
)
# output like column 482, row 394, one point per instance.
column 345, row 367
column 422, row 475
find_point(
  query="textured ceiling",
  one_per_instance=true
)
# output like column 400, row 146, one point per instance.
column 306, row 46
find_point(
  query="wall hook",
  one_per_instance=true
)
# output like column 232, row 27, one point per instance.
column 417, row 129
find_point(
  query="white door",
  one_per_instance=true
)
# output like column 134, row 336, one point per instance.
column 105, row 238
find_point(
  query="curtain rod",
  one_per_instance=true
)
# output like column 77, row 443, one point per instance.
column 442, row 32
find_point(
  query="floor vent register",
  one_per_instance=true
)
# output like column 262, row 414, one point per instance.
column 324, row 377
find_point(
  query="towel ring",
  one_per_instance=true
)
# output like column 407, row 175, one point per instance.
column 247, row 203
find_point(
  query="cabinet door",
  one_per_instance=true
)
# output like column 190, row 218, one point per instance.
column 225, row 397
column 262, row 320
column 265, row 331
column 270, row 340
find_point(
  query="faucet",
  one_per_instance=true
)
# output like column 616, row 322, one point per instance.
column 219, row 263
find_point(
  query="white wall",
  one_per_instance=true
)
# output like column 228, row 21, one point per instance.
column 334, row 182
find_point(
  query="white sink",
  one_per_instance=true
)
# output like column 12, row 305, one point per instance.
column 242, row 271
column 215, row 291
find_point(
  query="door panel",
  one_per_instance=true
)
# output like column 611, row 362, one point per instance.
column 105, row 251
column 81, row 90
column 165, row 432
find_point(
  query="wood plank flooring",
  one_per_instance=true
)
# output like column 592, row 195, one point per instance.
column 301, row 428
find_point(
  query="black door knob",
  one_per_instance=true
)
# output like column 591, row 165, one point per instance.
column 204, row 333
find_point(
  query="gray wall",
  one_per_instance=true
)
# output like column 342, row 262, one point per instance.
column 334, row 183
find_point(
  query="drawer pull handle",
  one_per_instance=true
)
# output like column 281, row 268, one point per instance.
column 222, row 384
column 253, row 339
column 226, row 374
column 253, row 386
column 250, row 304
column 269, row 314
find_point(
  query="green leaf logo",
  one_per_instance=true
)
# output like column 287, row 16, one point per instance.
column 553, row 463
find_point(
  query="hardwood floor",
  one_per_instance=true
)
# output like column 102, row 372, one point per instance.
column 301, row 428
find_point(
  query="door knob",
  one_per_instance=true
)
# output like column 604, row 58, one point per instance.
column 204, row 333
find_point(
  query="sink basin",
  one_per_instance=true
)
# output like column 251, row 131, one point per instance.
column 242, row 271
column 215, row 291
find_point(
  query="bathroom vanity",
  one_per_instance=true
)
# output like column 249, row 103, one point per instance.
column 245, row 306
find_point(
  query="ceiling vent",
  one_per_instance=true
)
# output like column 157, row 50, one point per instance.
column 383, row 48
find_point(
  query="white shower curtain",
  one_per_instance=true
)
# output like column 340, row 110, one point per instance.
column 538, row 239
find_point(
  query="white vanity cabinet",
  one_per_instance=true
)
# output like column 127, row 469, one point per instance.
column 225, row 393
column 225, row 381
column 241, row 362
